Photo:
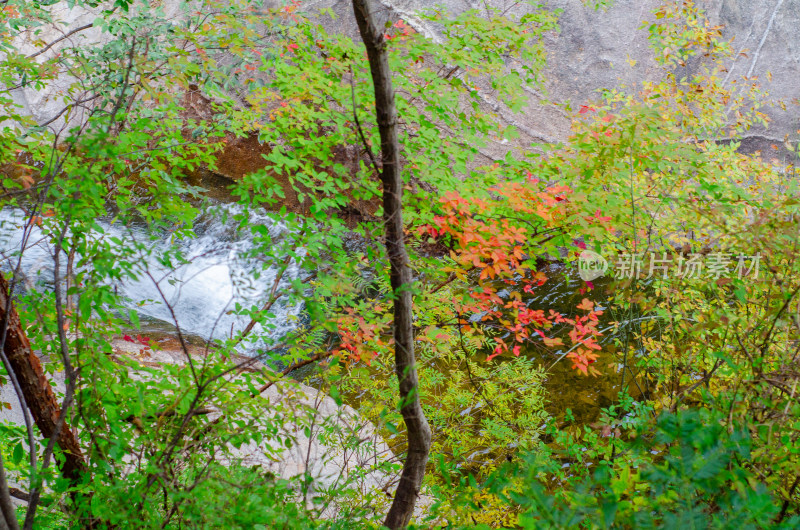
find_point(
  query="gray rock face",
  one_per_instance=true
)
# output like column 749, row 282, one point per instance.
column 47, row 104
column 593, row 48
column 768, row 36
column 592, row 51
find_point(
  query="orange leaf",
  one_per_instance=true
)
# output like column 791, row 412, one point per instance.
column 586, row 305
column 553, row 342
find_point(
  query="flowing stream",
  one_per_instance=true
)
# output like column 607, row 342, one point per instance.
column 201, row 290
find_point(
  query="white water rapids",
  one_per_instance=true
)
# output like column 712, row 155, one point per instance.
column 201, row 293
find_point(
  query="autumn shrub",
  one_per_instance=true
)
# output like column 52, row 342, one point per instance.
column 714, row 349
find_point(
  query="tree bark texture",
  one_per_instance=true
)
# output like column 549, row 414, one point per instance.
column 38, row 393
column 418, row 430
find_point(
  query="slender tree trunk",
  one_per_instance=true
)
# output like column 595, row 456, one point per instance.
column 419, row 432
column 38, row 393
column 8, row 516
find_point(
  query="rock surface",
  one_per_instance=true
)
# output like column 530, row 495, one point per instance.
column 329, row 442
column 591, row 51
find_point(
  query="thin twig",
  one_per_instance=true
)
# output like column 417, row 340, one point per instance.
column 63, row 37
column 358, row 124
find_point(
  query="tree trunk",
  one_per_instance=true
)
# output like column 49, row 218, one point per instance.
column 419, row 432
column 38, row 394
